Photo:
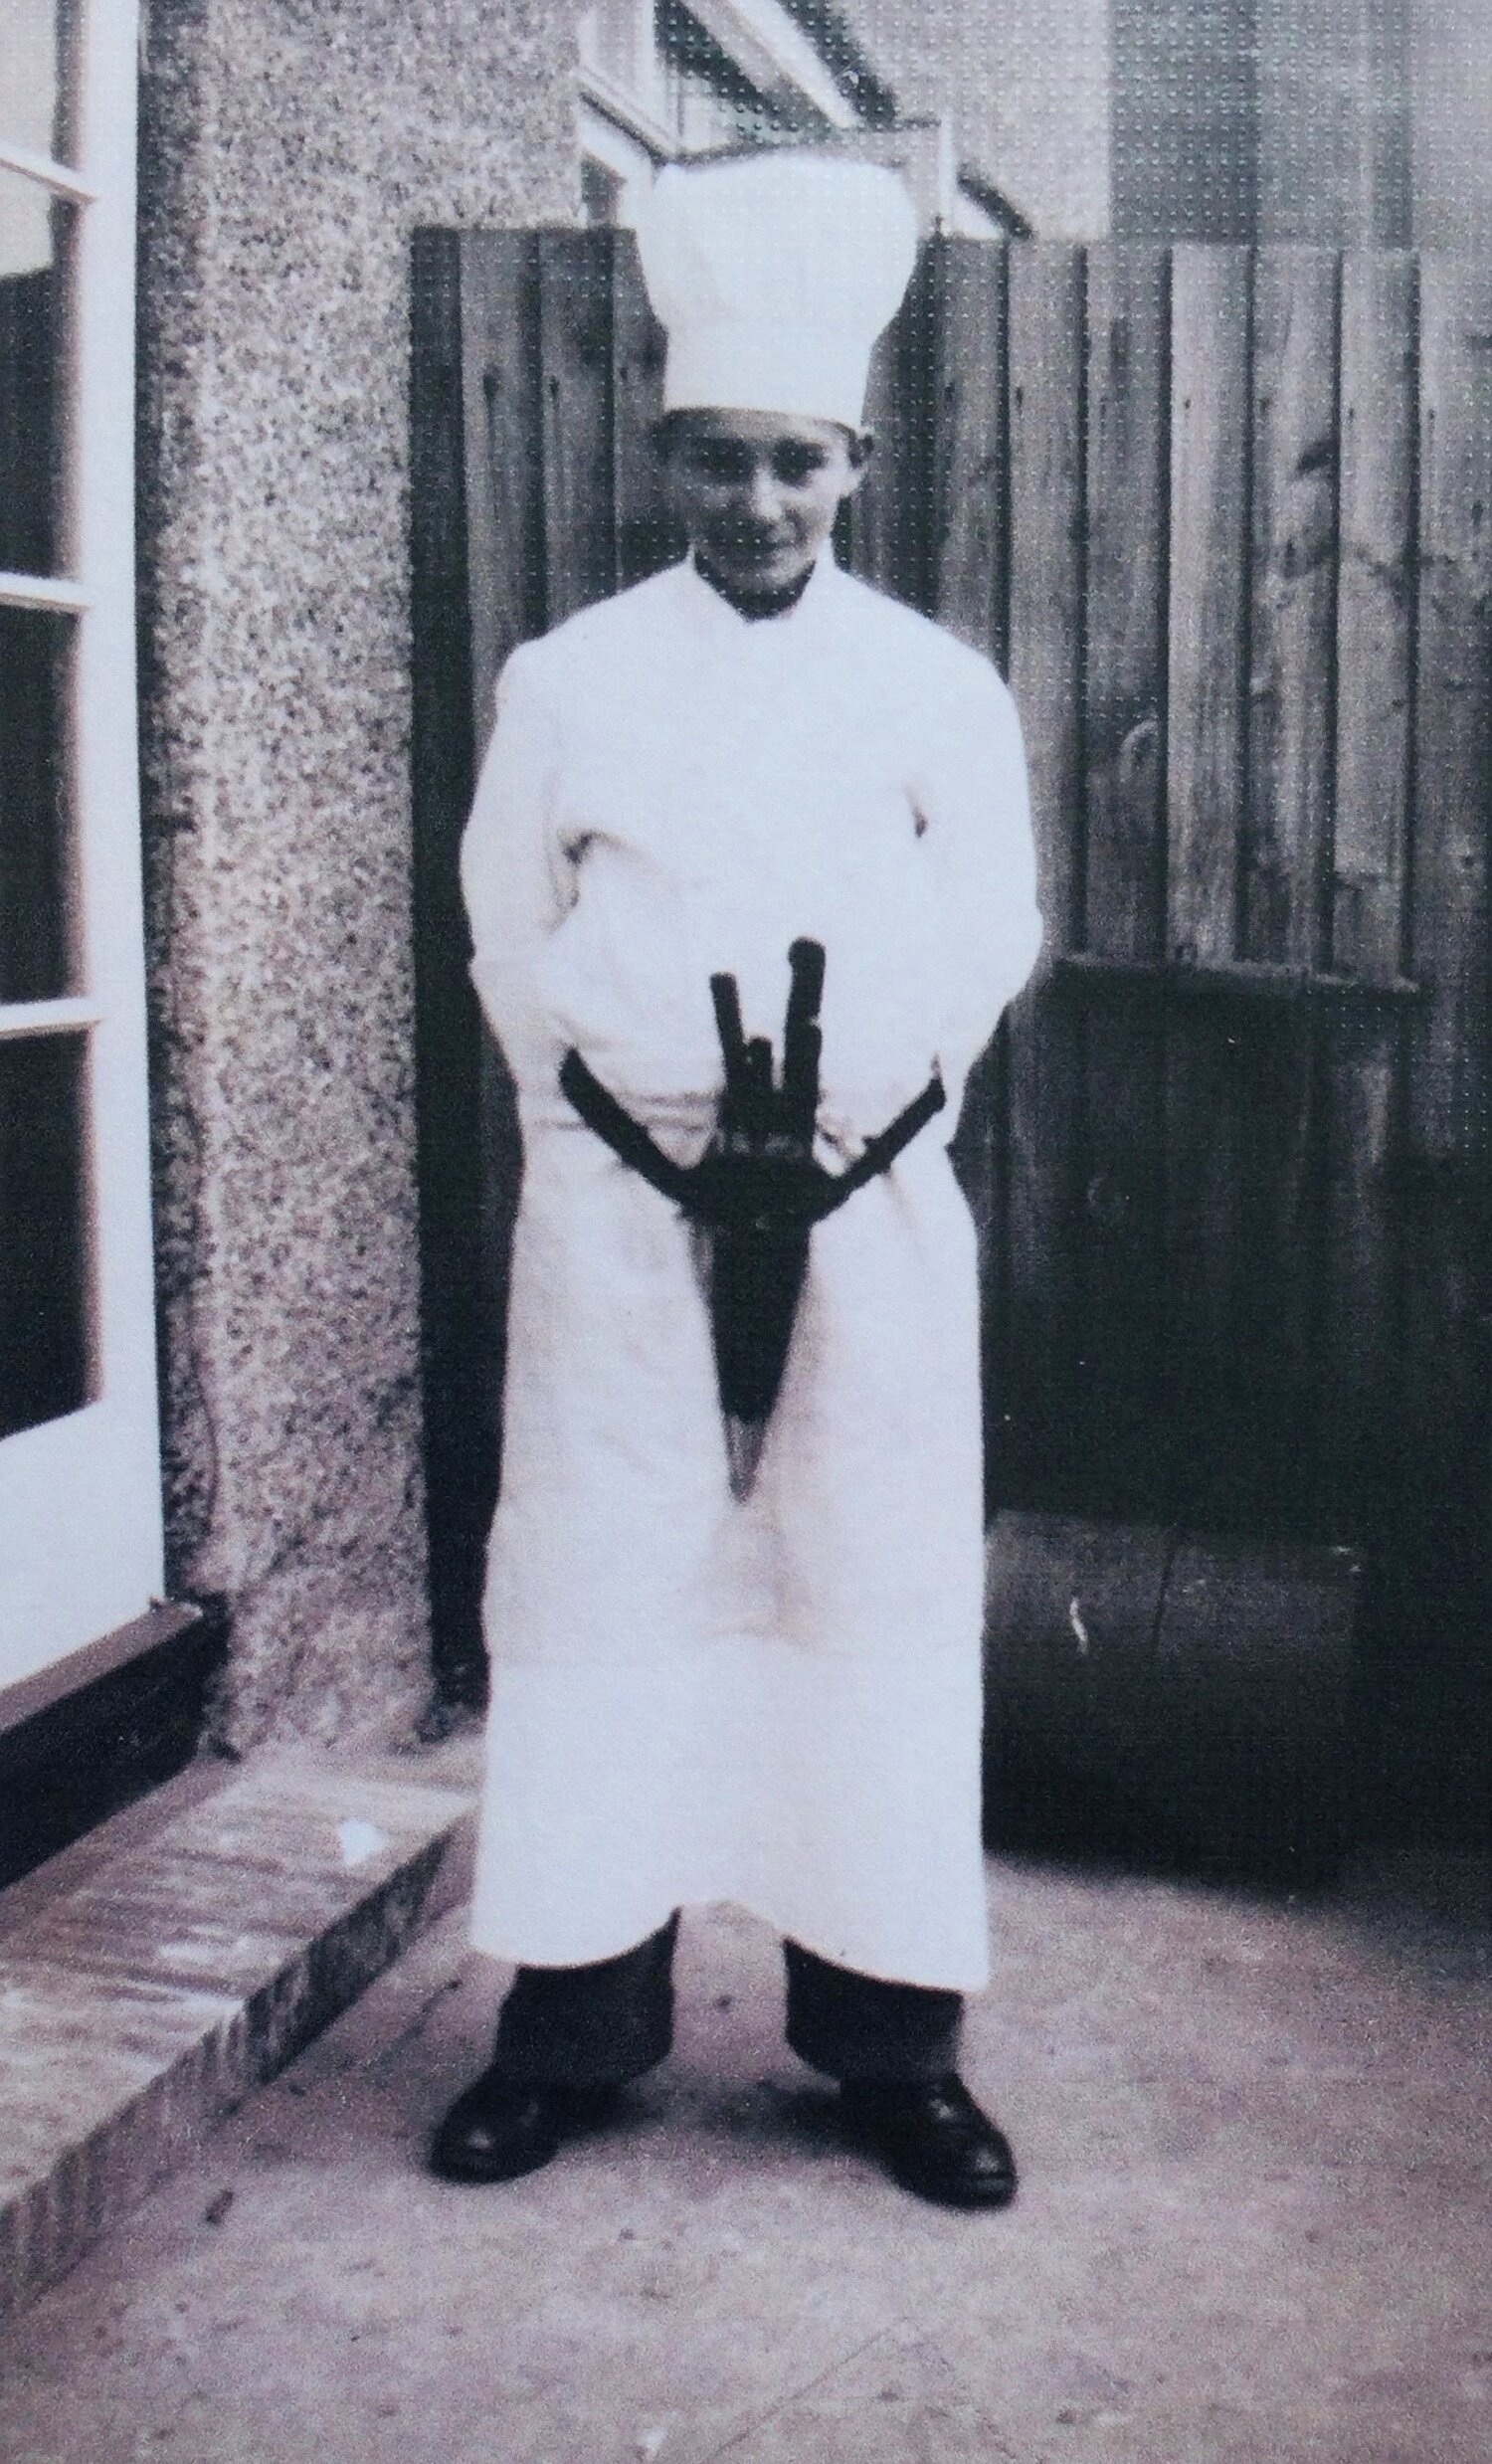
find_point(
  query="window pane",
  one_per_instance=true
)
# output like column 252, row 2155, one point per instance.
column 42, row 1235
column 35, row 957
column 34, row 76
column 36, row 242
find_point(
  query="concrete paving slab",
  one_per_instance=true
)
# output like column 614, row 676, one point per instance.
column 1254, row 2227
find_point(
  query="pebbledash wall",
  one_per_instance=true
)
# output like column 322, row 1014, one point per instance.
column 290, row 147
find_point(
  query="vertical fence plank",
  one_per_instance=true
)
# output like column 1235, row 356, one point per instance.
column 473, row 440
column 447, row 1045
column 1207, row 1164
column 1454, row 708
column 1209, row 340
column 1374, row 623
column 865, row 533
column 1128, row 529
column 1448, row 1289
column 1125, row 870
column 1046, row 558
column 575, row 347
column 646, row 538
column 970, row 496
column 501, row 363
column 883, row 531
column 1034, row 1362
column 968, row 556
column 1287, row 834
column 500, row 391
column 1286, row 852
column 1361, row 1044
column 916, row 332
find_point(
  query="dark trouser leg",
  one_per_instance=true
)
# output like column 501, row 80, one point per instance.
column 590, row 2026
column 861, row 2027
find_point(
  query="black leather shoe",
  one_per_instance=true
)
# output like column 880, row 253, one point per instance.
column 498, row 2129
column 933, row 2139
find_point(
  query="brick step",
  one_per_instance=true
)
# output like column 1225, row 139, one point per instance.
column 155, row 1974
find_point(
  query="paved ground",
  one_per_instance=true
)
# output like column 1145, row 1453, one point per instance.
column 1255, row 2229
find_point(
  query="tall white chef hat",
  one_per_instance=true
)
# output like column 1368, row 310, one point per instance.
column 774, row 274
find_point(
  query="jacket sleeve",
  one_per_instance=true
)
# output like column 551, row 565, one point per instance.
column 976, row 809
column 516, row 881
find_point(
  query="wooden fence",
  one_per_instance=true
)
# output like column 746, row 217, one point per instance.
column 1223, row 516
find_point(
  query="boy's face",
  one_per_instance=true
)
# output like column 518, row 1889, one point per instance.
column 757, row 492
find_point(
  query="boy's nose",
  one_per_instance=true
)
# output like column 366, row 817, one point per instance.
column 761, row 495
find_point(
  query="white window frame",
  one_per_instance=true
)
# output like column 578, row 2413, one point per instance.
column 772, row 50
column 81, row 1540
column 627, row 125
column 629, row 159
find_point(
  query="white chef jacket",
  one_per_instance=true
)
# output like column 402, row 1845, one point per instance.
column 774, row 1700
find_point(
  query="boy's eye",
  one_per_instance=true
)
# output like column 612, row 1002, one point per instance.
column 721, row 461
column 795, row 465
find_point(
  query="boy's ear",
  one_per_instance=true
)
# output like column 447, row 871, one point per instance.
column 861, row 446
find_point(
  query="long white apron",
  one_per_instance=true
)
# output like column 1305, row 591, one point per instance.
column 776, row 1700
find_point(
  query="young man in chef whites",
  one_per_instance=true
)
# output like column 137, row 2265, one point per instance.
column 736, row 1642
